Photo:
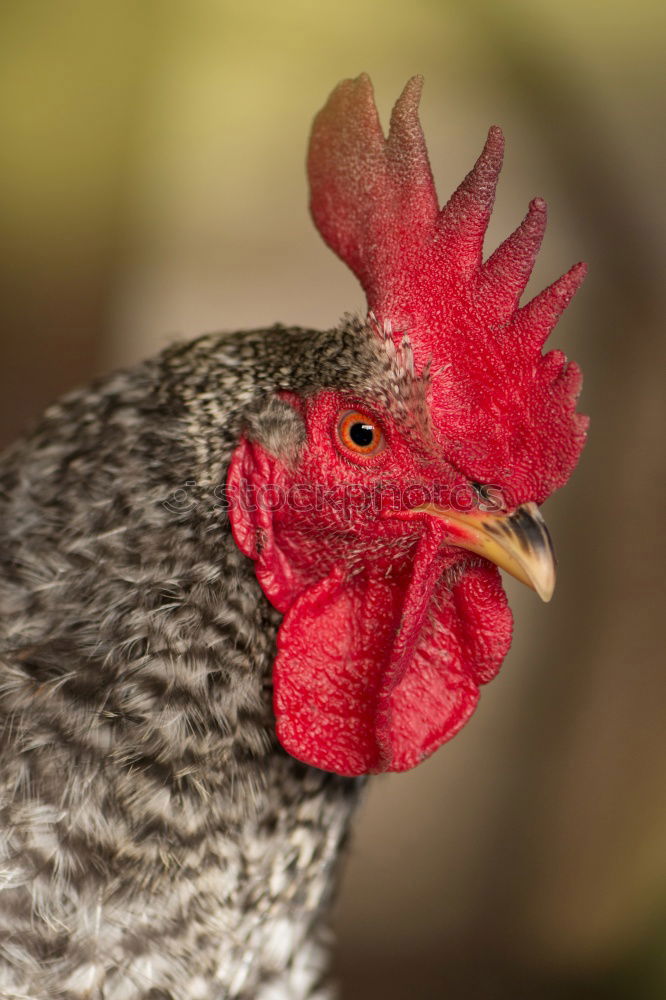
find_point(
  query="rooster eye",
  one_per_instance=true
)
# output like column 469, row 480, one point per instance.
column 360, row 433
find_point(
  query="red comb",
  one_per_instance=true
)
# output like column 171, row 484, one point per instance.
column 373, row 200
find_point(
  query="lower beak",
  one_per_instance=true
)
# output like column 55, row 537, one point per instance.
column 518, row 543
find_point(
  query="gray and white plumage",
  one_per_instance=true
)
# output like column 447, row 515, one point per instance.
column 156, row 842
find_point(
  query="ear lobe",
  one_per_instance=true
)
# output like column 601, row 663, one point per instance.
column 257, row 488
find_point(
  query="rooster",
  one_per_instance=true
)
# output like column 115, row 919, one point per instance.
column 245, row 574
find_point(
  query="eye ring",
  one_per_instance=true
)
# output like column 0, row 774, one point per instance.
column 360, row 433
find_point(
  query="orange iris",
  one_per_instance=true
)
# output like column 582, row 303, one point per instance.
column 360, row 433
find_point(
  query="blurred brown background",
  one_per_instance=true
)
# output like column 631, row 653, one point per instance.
column 152, row 186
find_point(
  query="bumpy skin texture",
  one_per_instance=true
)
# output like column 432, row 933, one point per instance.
column 497, row 403
column 389, row 629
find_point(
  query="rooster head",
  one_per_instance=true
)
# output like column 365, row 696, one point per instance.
column 379, row 503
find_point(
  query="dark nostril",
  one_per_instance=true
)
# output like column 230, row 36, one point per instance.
column 480, row 489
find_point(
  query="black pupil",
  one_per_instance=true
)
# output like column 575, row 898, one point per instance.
column 362, row 434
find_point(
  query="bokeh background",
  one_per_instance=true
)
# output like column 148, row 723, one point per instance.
column 152, row 187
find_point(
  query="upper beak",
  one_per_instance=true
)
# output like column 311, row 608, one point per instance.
column 518, row 542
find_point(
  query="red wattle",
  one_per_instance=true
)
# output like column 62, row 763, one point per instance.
column 378, row 662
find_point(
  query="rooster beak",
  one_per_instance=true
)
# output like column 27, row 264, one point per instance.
column 518, row 542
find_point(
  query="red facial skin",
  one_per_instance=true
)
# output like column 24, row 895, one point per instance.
column 388, row 630
column 388, row 627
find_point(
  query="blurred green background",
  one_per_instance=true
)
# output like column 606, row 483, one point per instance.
column 152, row 187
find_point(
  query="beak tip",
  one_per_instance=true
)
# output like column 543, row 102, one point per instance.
column 545, row 590
column 518, row 543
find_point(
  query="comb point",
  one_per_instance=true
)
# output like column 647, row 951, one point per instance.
column 536, row 319
column 464, row 219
